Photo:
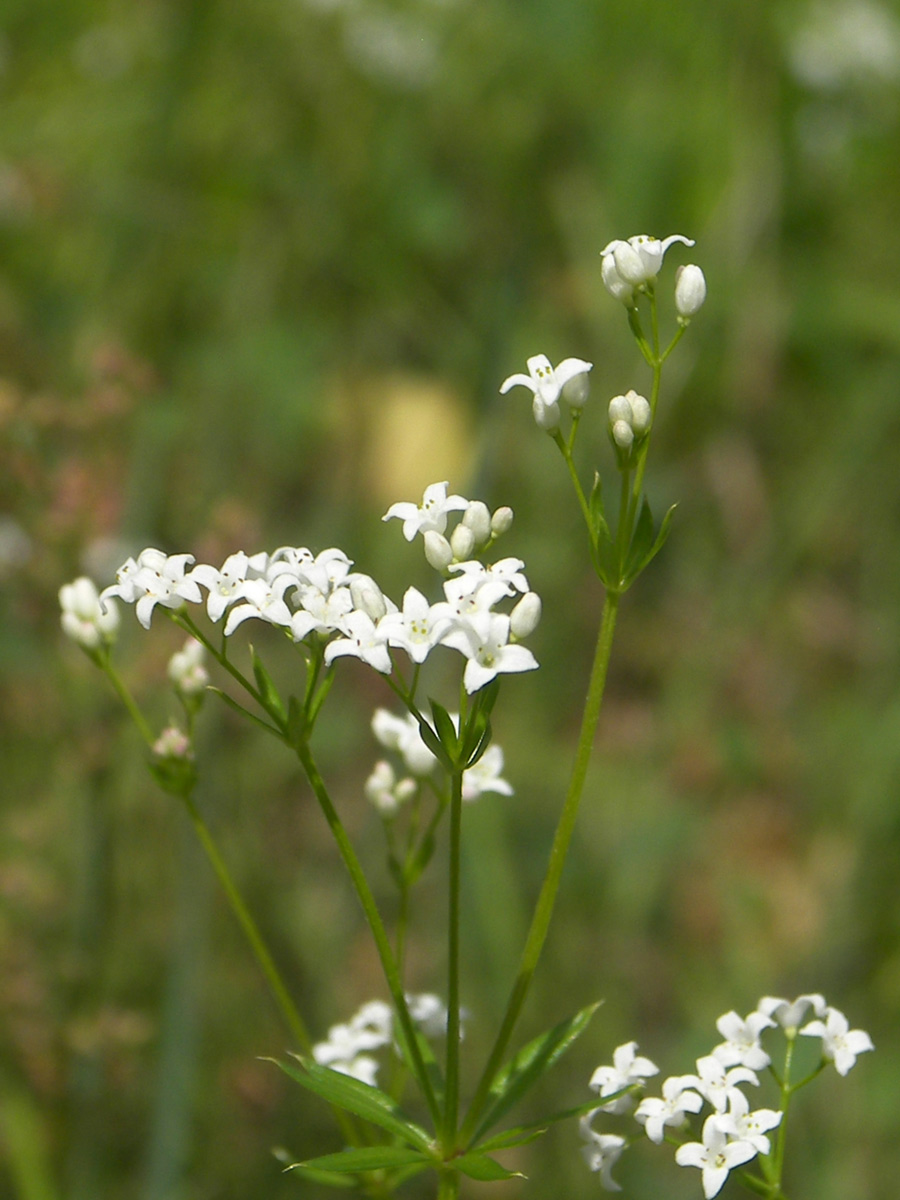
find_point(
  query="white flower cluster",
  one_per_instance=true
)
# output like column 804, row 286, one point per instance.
column 549, row 384
column 348, row 1047
column 388, row 792
column 320, row 596
column 732, row 1134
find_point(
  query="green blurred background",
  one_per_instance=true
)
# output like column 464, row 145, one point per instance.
column 263, row 265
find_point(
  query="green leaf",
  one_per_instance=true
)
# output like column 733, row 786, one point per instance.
column 366, row 1158
column 531, row 1062
column 245, row 712
column 483, row 744
column 359, row 1098
column 641, row 540
column 328, row 1178
column 269, row 697
column 650, row 546
column 479, row 1166
column 433, row 741
column 520, row 1136
column 297, row 727
column 446, row 730
column 432, row 1069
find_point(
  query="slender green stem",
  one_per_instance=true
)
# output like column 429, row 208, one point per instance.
column 786, row 1093
column 566, row 452
column 544, row 908
column 127, row 699
column 452, row 1068
column 182, row 618
column 373, row 917
column 251, row 930
column 448, row 1185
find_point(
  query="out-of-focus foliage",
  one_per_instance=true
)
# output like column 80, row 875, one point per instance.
column 262, row 267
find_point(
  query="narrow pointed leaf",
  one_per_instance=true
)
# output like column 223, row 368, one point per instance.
column 531, row 1062
column 365, row 1158
column 520, row 1136
column 479, row 1166
column 245, row 712
column 432, row 1068
column 641, row 540
column 271, row 701
column 637, row 565
column 434, row 744
column 359, row 1098
column 445, row 729
column 329, row 1178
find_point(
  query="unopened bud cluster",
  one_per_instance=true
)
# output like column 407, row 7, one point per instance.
column 630, row 418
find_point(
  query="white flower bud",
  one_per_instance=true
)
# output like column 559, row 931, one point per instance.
column 186, row 669
column 620, row 410
column 613, row 281
column 84, row 619
column 576, row 391
column 623, row 434
column 524, row 618
column 690, row 290
column 462, row 543
column 546, row 416
column 630, row 264
column 640, row 413
column 173, row 743
column 478, row 518
column 501, row 520
column 367, row 597
column 437, row 550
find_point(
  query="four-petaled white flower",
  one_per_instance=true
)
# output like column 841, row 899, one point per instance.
column 402, row 734
column 364, row 640
column 753, row 1126
column 546, row 384
column 224, row 586
column 602, row 1152
column 262, row 600
column 431, row 514
column 741, row 1045
column 484, row 640
column 485, row 776
column 655, row 1113
column 717, row 1085
column 840, row 1043
column 715, row 1155
column 790, row 1013
column 417, row 629
column 628, row 1068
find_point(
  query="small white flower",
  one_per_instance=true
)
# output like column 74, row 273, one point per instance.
column 638, row 260
column 655, row 1113
column 750, row 1126
column 485, row 776
column 628, row 1068
column 741, row 1043
column 155, row 578
column 485, row 643
column 318, row 612
column 84, row 619
column 840, row 1043
column 429, row 1012
column 224, row 586
column 473, row 575
column 385, row 792
column 431, row 514
column 364, row 640
column 546, row 384
column 715, row 1155
column 717, row 1085
column 262, row 600
column 790, row 1013
column 417, row 629
column 402, row 734
column 602, row 1152
column 186, row 669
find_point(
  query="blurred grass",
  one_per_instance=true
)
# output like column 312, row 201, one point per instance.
column 262, row 268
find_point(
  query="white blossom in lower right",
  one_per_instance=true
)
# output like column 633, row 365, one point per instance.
column 718, row 1153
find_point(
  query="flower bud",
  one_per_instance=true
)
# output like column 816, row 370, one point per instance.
column 478, row 518
column 614, row 283
column 623, row 435
column 462, row 543
column 641, row 414
column 690, row 291
column 437, row 550
column 84, row 619
column 524, row 618
column 576, row 391
column 173, row 743
column 368, row 597
column 186, row 669
column 620, row 410
column 501, row 520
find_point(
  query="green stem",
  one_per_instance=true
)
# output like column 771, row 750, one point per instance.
column 566, row 452
column 544, row 908
column 451, row 1108
column 786, row 1093
column 127, row 699
column 373, row 917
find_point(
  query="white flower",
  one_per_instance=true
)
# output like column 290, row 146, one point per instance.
column 741, row 1043
column 790, row 1014
column 750, row 1126
column 628, row 1068
column 717, row 1085
column 690, row 291
column 715, row 1155
column 319, row 612
column 638, row 260
column 417, row 629
column 602, row 1152
column 429, row 1012
column 473, row 575
column 385, row 792
column 840, row 1043
column 546, row 384
column 186, row 669
column 402, row 734
column 363, row 640
column 262, row 600
column 617, row 287
column 430, row 514
column 224, row 586
column 485, row 643
column 485, row 776
column 84, row 619
column 655, row 1114
column 155, row 578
